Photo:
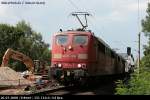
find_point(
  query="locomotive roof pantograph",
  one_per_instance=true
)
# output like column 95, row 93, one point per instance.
column 83, row 24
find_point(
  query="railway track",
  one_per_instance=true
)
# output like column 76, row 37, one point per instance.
column 105, row 86
column 95, row 89
column 51, row 90
column 106, row 89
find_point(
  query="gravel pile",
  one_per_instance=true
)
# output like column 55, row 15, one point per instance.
column 9, row 77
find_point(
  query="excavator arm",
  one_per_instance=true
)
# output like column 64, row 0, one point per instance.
column 10, row 53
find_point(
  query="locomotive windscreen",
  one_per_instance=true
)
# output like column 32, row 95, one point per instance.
column 80, row 40
column 61, row 39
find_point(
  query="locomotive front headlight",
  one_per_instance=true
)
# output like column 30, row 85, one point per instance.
column 79, row 65
column 70, row 47
column 59, row 65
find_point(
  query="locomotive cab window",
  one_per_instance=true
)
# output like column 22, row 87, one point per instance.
column 61, row 39
column 80, row 40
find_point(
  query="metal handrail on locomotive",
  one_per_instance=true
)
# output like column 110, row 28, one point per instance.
column 79, row 54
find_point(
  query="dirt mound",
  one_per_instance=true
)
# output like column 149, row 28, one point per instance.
column 9, row 77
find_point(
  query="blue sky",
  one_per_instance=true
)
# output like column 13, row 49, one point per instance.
column 115, row 21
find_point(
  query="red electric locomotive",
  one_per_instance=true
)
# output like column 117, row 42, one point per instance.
column 79, row 54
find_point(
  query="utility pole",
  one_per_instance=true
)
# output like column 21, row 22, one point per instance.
column 139, row 41
column 139, row 37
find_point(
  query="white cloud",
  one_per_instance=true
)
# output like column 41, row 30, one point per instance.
column 133, row 7
column 123, row 10
column 115, row 16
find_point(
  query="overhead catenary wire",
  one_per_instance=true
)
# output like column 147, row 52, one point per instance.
column 74, row 5
column 85, row 9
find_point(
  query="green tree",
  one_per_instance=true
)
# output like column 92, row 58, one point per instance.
column 146, row 30
column 7, row 36
column 22, row 38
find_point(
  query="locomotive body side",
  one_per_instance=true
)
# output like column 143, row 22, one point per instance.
column 106, row 61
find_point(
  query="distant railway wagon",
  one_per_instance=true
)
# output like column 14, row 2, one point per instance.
column 79, row 54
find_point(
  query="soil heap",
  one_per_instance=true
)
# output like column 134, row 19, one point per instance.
column 9, row 77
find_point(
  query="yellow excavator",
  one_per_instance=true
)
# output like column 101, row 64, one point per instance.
column 10, row 53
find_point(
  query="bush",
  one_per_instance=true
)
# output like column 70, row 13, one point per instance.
column 139, row 84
